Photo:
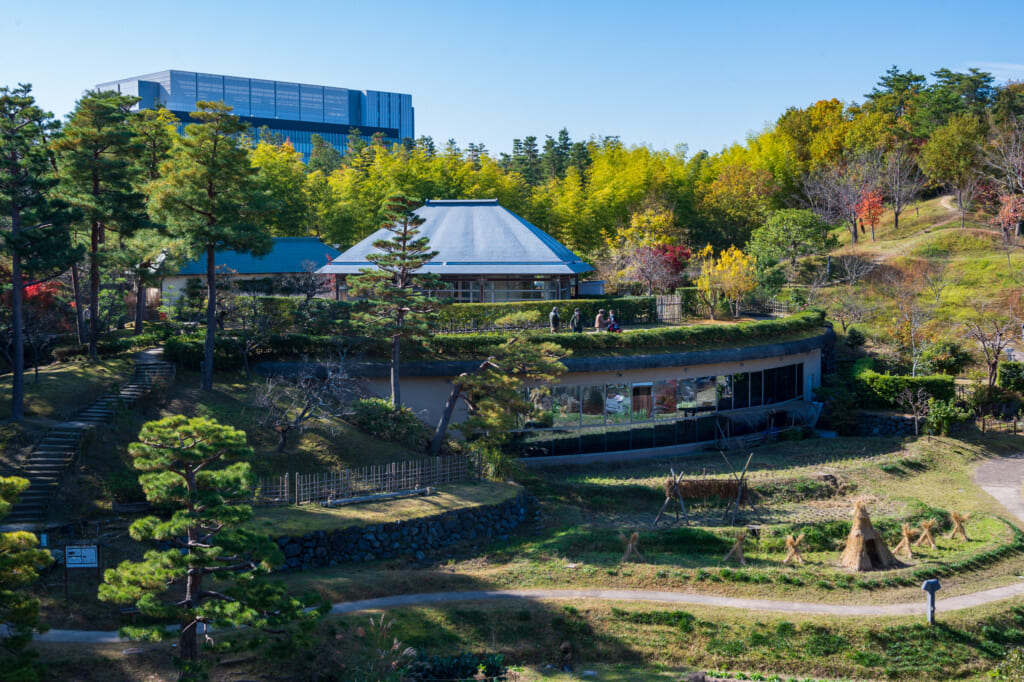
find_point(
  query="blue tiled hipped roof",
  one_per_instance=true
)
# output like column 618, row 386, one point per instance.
column 289, row 255
column 475, row 237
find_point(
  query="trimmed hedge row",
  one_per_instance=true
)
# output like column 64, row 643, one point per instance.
column 1011, row 375
column 72, row 349
column 881, row 390
column 190, row 350
column 677, row 338
column 628, row 310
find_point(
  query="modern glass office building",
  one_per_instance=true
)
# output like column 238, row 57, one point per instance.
column 296, row 111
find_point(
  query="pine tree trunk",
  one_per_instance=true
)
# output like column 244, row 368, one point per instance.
column 140, row 304
column 211, row 317
column 396, row 396
column 76, row 287
column 446, row 417
column 94, row 290
column 17, row 326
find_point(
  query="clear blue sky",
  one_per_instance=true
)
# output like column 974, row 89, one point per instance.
column 661, row 73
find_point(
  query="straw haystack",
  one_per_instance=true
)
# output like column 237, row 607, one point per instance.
column 865, row 548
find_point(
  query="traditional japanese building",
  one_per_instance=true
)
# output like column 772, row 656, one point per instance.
column 486, row 254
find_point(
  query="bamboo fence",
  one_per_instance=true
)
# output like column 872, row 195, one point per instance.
column 369, row 481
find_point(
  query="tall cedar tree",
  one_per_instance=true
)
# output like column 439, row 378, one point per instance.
column 209, row 195
column 95, row 153
column 211, row 574
column 34, row 233
column 20, row 563
column 399, row 308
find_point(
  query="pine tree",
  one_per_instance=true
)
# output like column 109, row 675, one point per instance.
column 400, row 310
column 324, row 157
column 209, row 196
column 212, row 574
column 97, row 178
column 20, row 563
column 35, row 235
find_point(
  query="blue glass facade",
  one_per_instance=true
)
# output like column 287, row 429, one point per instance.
column 296, row 111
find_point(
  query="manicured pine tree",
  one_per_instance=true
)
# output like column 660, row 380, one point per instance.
column 324, row 157
column 209, row 195
column 212, row 573
column 400, row 310
column 97, row 178
column 35, row 233
column 20, row 563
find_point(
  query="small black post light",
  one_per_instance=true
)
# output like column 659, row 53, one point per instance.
column 931, row 587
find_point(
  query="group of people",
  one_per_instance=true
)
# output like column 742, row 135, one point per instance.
column 602, row 323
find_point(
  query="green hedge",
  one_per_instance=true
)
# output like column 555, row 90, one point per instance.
column 675, row 338
column 189, row 351
column 1011, row 375
column 628, row 310
column 70, row 348
column 881, row 390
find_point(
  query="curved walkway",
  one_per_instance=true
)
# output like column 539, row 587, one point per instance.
column 1000, row 478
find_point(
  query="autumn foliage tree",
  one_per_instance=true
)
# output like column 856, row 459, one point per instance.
column 729, row 277
column 870, row 209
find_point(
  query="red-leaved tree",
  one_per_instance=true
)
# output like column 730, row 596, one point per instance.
column 870, row 208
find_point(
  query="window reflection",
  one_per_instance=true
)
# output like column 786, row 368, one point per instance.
column 665, row 398
column 570, row 419
column 643, row 406
column 618, row 403
column 707, row 394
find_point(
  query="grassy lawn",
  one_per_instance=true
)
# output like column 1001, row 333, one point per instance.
column 292, row 520
column 66, row 387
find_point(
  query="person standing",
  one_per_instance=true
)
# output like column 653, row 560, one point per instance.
column 554, row 320
column 613, row 325
column 599, row 321
column 576, row 322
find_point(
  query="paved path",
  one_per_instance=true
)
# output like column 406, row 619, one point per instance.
column 1000, row 478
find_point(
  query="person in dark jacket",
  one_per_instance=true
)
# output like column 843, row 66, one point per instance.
column 576, row 322
column 554, row 319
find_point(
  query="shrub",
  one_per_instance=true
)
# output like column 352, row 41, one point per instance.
column 946, row 357
column 1010, row 375
column 855, row 338
column 376, row 417
column 519, row 318
column 882, row 390
column 942, row 414
column 676, row 338
column 995, row 401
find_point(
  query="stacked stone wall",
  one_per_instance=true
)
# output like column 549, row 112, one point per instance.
column 419, row 538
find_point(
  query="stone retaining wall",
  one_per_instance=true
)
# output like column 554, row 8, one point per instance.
column 880, row 424
column 417, row 537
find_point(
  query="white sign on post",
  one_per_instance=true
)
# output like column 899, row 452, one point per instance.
column 81, row 556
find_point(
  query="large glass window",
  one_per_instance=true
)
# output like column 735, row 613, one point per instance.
column 740, row 390
column 665, row 398
column 707, row 394
column 643, row 407
column 262, row 96
column 756, row 389
column 593, row 405
column 785, row 382
column 724, row 391
column 686, row 397
column 565, row 405
column 618, row 403
column 770, row 394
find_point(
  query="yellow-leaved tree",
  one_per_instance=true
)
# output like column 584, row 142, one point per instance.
column 728, row 277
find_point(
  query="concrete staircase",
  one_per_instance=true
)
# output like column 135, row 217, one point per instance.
column 52, row 455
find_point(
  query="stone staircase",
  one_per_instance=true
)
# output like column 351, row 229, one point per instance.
column 52, row 455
